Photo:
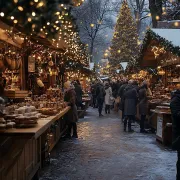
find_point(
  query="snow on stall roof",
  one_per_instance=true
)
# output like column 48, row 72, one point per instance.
column 172, row 35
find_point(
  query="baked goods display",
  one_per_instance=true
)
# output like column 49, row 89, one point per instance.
column 163, row 109
column 27, row 113
column 86, row 97
column 6, row 124
column 21, row 116
column 161, row 94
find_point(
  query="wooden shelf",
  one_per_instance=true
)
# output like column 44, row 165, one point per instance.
column 12, row 73
column 160, row 112
column 173, row 81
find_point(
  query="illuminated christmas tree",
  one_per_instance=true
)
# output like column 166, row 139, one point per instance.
column 124, row 46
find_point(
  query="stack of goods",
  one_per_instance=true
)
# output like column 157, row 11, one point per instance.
column 160, row 94
column 24, row 116
column 163, row 109
column 173, row 77
column 86, row 97
column 2, row 124
column 6, row 124
column 50, row 103
column 12, row 80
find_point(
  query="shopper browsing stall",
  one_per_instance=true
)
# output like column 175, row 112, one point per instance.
column 130, row 104
column 72, row 115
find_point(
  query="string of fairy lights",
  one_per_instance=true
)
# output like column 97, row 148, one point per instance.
column 49, row 20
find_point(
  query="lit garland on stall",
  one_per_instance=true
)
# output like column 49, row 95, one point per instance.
column 50, row 20
column 165, row 44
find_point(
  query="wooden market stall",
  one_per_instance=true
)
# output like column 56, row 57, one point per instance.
column 161, row 52
column 23, row 151
column 25, row 144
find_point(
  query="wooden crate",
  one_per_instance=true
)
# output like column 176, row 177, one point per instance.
column 16, row 94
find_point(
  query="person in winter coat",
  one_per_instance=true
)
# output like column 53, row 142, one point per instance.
column 130, row 103
column 143, row 106
column 79, row 93
column 121, row 95
column 175, row 110
column 108, row 96
column 72, row 115
column 100, row 94
column 2, row 85
column 93, row 92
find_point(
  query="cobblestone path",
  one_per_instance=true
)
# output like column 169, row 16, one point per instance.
column 104, row 152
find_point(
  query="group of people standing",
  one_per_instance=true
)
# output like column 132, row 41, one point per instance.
column 126, row 95
column 133, row 95
column 102, row 93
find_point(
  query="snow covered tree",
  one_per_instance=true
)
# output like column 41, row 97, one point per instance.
column 124, row 46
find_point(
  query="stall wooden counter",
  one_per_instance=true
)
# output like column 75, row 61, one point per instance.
column 23, row 150
column 164, row 126
column 41, row 127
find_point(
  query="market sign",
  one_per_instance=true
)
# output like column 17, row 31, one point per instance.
column 170, row 61
column 31, row 64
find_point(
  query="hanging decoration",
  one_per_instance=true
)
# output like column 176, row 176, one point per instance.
column 165, row 44
column 158, row 51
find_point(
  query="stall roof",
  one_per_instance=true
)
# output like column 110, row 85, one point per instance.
column 4, row 36
column 167, row 38
column 172, row 35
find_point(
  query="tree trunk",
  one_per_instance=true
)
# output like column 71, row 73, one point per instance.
column 91, row 50
column 155, row 7
column 138, row 21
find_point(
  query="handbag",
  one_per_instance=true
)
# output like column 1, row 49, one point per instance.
column 117, row 100
column 112, row 98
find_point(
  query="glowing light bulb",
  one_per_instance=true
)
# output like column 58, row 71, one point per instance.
column 29, row 19
column 157, row 18
column 33, row 14
column 15, row 21
column 40, row 4
column 20, row 8
column 176, row 24
column 2, row 14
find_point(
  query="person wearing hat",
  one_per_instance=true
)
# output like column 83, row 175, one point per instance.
column 72, row 115
column 175, row 111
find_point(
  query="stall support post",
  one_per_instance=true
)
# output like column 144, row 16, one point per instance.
column 24, row 73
